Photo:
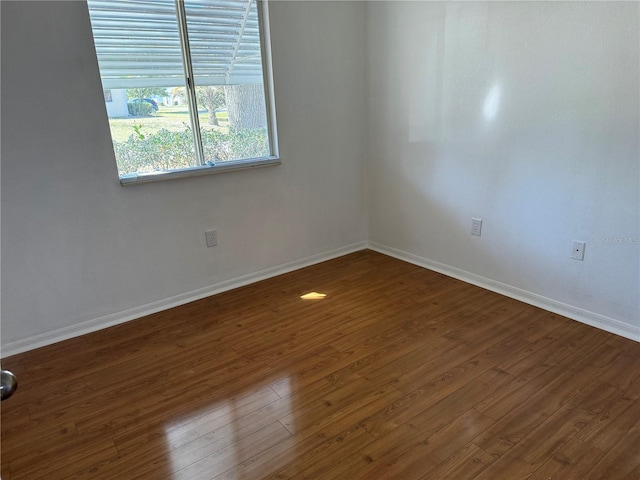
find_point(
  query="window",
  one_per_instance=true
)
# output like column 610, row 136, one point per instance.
column 189, row 84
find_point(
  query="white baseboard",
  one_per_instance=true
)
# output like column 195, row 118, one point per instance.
column 602, row 322
column 584, row 316
column 93, row 325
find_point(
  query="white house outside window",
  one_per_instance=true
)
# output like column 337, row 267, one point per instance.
column 189, row 84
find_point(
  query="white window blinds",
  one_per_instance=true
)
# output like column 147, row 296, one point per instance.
column 138, row 42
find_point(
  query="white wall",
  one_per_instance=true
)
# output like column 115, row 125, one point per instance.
column 550, row 156
column 80, row 252
column 523, row 114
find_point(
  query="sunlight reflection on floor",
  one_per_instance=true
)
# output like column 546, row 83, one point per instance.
column 313, row 296
column 232, row 433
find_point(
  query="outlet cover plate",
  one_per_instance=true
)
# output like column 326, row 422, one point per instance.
column 577, row 251
column 476, row 226
column 211, row 237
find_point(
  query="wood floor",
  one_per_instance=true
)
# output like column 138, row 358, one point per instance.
column 398, row 373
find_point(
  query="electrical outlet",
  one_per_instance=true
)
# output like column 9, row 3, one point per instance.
column 577, row 250
column 211, row 237
column 476, row 226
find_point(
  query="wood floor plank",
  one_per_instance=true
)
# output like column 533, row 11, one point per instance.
column 399, row 372
column 398, row 429
column 535, row 373
column 465, row 464
column 78, row 451
column 316, row 436
column 551, row 435
column 456, row 366
column 513, row 427
column 431, row 451
column 218, row 461
column 611, row 425
column 620, row 461
column 366, row 358
column 318, row 460
column 180, row 433
column 576, row 459
column 329, row 433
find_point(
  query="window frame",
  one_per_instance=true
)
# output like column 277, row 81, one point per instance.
column 202, row 166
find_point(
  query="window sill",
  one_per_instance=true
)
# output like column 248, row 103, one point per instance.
column 230, row 166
